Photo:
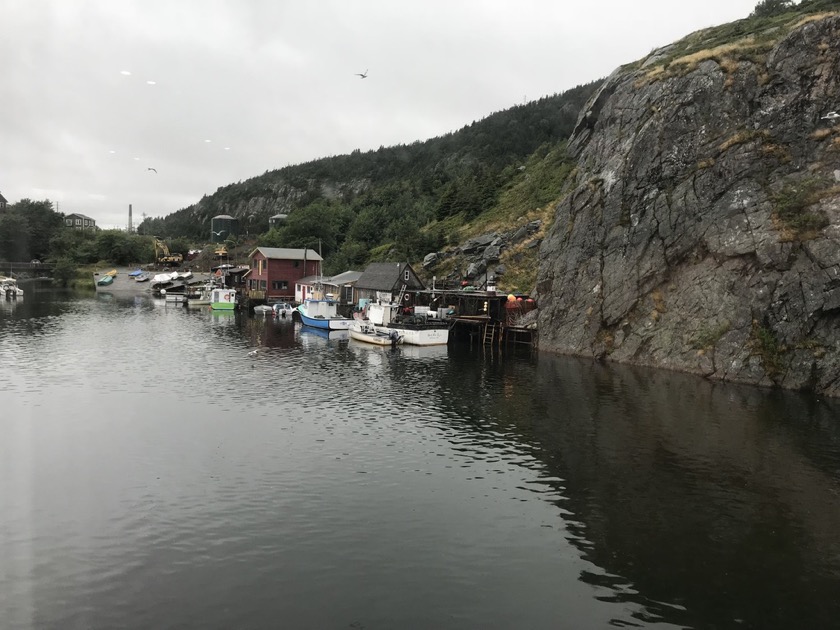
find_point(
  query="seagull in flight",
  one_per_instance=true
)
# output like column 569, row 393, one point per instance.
column 151, row 169
column 219, row 233
column 362, row 74
column 253, row 353
column 831, row 116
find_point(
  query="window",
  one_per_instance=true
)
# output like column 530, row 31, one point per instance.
column 262, row 284
column 279, row 285
column 405, row 275
column 78, row 221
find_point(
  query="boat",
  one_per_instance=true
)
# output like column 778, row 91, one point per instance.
column 417, row 327
column 105, row 280
column 135, row 274
column 222, row 299
column 263, row 309
column 419, row 332
column 365, row 331
column 162, row 278
column 283, row 310
column 143, row 277
column 201, row 298
column 9, row 288
column 323, row 313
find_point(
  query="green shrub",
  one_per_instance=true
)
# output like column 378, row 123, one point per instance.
column 791, row 205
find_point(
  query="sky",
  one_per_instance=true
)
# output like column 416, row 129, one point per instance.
column 94, row 93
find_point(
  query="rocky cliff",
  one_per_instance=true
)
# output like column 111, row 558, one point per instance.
column 701, row 230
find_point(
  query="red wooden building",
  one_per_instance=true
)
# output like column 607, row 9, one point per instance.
column 274, row 271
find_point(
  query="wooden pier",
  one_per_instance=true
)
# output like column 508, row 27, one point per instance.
column 485, row 318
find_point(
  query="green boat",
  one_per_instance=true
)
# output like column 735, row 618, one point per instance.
column 105, row 280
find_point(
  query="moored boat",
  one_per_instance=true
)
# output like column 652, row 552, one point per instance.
column 201, row 298
column 422, row 333
column 322, row 314
column 9, row 288
column 222, row 299
column 416, row 328
column 105, row 280
column 365, row 331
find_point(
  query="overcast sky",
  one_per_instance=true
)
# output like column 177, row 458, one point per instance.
column 211, row 92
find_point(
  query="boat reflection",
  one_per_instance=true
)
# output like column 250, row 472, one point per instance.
column 424, row 352
column 321, row 336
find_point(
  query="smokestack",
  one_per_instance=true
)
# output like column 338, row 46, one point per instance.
column 130, row 230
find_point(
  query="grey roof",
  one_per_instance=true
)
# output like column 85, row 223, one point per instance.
column 347, row 277
column 308, row 280
column 223, row 216
column 79, row 214
column 2, row 198
column 383, row 276
column 285, row 253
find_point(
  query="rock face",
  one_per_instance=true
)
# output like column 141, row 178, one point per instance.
column 701, row 231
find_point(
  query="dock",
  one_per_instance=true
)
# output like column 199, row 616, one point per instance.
column 488, row 318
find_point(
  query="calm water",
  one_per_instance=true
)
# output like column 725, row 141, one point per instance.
column 153, row 475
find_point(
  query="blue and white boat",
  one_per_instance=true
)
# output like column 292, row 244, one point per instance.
column 323, row 313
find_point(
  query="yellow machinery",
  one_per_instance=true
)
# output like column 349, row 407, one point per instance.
column 162, row 255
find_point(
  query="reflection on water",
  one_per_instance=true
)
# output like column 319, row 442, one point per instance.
column 155, row 472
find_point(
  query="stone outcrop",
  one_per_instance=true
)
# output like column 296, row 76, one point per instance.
column 701, row 230
column 478, row 257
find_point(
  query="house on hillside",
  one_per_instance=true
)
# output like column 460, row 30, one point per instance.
column 79, row 222
column 3, row 203
column 385, row 281
column 306, row 288
column 342, row 286
column 274, row 271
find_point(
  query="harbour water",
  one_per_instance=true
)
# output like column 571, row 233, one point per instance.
column 154, row 475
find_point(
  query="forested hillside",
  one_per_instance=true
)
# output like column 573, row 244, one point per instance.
column 397, row 202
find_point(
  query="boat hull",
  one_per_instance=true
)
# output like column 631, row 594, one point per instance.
column 322, row 314
column 368, row 333
column 223, row 299
column 326, row 323
column 422, row 335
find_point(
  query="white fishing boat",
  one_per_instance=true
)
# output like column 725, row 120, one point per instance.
column 365, row 331
column 417, row 328
column 9, row 288
column 201, row 297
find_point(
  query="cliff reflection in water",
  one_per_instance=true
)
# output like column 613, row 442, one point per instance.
column 159, row 474
column 720, row 500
